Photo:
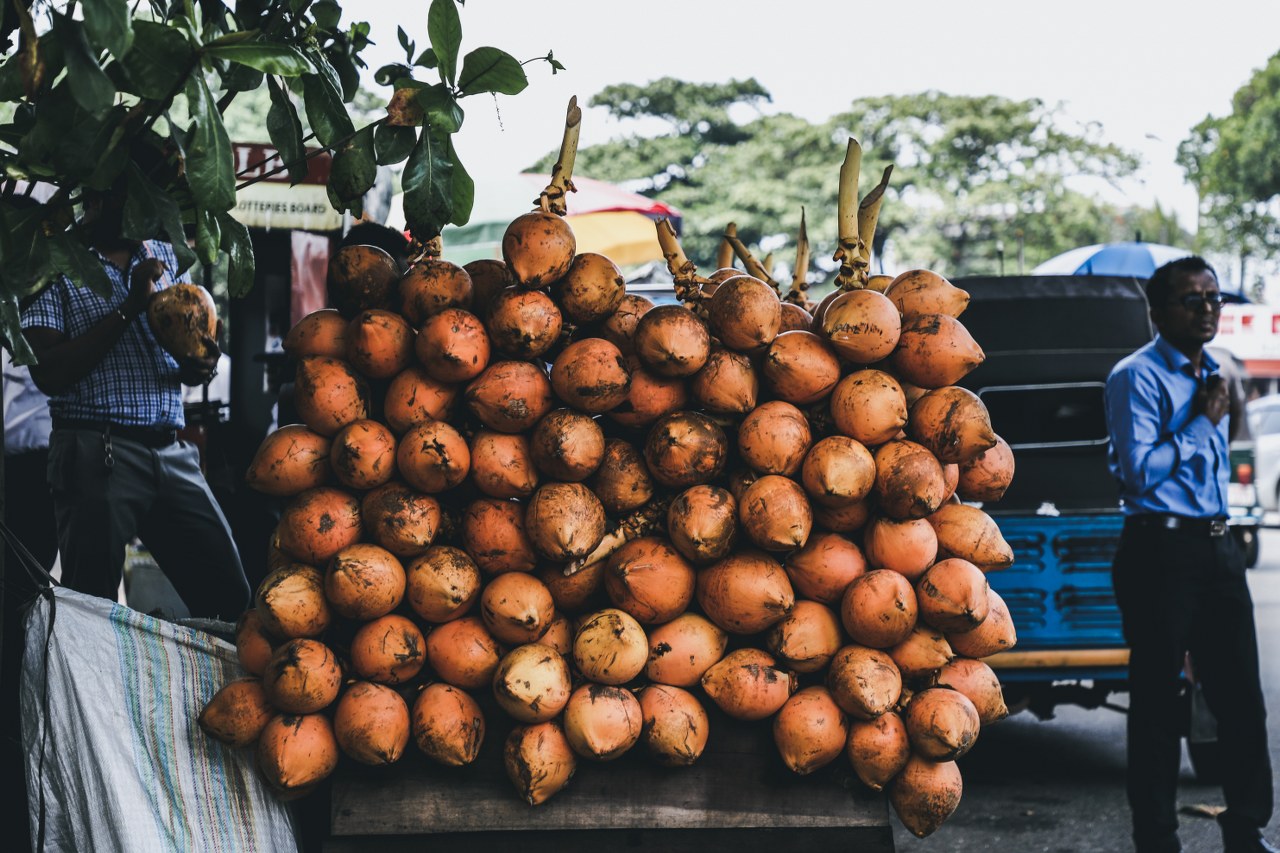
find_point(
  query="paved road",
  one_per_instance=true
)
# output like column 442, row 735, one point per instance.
column 1057, row 786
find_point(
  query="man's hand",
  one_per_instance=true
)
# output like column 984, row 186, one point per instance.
column 197, row 371
column 141, row 284
column 1213, row 400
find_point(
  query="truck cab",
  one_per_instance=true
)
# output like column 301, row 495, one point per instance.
column 1050, row 343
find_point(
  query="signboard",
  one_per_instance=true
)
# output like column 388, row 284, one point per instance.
column 1252, row 334
column 272, row 202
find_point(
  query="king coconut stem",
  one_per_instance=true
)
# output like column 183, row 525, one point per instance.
column 849, row 250
column 724, row 255
column 552, row 199
column 754, row 267
column 644, row 521
column 800, row 276
column 869, row 214
column 684, row 274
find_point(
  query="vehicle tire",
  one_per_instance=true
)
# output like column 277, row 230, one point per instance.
column 1206, row 761
column 1249, row 544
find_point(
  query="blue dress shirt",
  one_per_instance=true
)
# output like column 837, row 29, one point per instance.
column 1167, row 459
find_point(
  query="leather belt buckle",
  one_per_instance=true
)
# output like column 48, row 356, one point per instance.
column 1217, row 528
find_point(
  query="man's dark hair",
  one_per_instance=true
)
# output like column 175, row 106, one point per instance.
column 1160, row 285
column 391, row 241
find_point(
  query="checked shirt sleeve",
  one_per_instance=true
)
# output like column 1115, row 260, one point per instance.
column 47, row 310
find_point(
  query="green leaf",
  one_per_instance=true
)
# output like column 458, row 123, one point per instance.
column 325, row 68
column 149, row 213
column 234, row 37
column 344, row 66
column 487, row 69
column 160, row 60
column 108, row 24
column 65, row 139
column 239, row 248
column 354, row 169
column 285, row 130
column 69, row 257
column 428, row 185
column 110, row 165
column 11, row 324
column 281, row 59
column 325, row 110
column 427, row 59
column 241, row 78
column 210, row 168
column 24, row 265
column 11, row 79
column 445, row 30
column 208, row 236
column 405, row 43
column 393, row 144
column 384, row 76
column 440, row 108
column 327, row 14
column 463, row 190
column 90, row 85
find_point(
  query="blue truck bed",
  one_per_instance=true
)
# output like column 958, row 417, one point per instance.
column 1060, row 596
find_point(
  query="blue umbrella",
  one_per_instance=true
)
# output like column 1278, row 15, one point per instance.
column 1139, row 260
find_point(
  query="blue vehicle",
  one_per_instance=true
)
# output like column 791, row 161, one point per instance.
column 1050, row 342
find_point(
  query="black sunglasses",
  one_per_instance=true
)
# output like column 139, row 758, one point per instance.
column 1195, row 301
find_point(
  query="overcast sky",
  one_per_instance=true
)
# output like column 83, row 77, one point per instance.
column 1146, row 71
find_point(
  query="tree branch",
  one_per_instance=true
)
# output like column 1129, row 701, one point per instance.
column 309, row 155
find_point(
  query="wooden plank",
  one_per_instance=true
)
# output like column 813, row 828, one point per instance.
column 855, row 840
column 739, row 783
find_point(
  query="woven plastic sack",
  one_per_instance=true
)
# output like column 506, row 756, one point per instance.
column 115, row 758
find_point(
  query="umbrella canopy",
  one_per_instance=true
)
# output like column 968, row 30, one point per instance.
column 605, row 219
column 1139, row 260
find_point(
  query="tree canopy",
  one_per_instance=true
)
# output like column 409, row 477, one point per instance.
column 972, row 175
column 129, row 98
column 1234, row 163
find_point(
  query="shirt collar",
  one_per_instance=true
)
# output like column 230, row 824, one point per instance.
column 1178, row 361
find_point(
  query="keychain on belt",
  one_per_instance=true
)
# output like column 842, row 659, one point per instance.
column 108, row 454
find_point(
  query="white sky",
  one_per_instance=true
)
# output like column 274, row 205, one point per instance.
column 1146, row 71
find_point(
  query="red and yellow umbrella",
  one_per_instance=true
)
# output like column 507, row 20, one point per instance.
column 606, row 219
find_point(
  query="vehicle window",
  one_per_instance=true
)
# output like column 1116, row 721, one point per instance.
column 1270, row 424
column 1059, row 415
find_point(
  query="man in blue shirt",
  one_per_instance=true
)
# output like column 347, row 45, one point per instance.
column 1179, row 576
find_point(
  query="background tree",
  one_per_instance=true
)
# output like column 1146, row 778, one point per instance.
column 971, row 174
column 133, row 95
column 1234, row 164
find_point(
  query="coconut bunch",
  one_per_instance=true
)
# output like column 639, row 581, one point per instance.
column 526, row 501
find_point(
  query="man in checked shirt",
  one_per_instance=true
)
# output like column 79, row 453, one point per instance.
column 116, row 468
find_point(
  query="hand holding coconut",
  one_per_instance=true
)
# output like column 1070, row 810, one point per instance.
column 183, row 319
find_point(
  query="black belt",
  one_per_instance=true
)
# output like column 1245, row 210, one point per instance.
column 147, row 436
column 1212, row 527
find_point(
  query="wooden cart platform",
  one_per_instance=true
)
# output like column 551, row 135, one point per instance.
column 737, row 797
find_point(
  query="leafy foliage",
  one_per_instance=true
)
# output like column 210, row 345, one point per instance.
column 972, row 174
column 132, row 98
column 1234, row 163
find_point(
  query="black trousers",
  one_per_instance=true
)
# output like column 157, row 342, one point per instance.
column 157, row 494
column 1185, row 592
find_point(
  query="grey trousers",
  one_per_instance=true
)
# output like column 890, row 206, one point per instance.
column 156, row 494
